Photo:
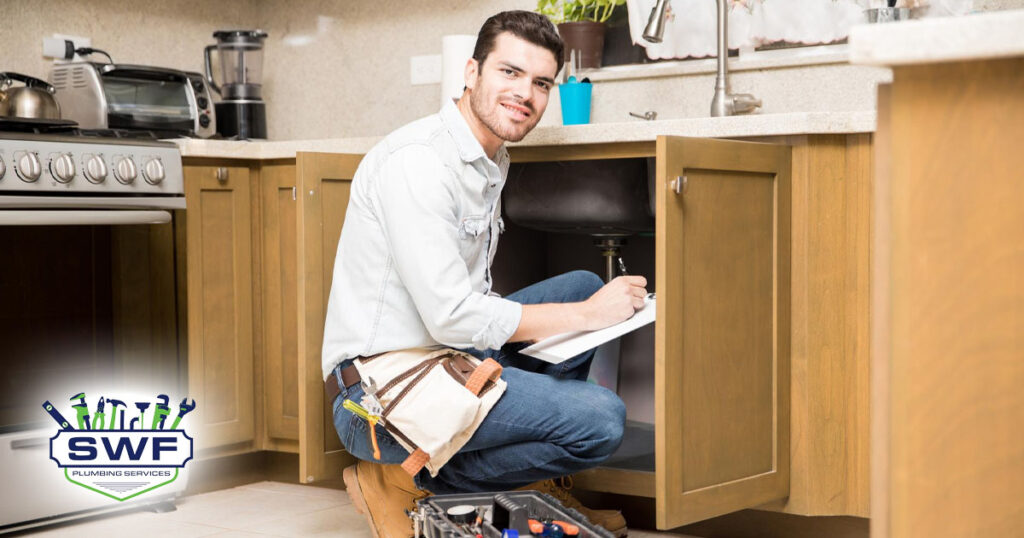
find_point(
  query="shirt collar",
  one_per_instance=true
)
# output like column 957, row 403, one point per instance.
column 469, row 147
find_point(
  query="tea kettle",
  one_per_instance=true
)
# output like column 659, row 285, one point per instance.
column 34, row 100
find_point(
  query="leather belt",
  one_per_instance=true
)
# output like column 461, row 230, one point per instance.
column 349, row 376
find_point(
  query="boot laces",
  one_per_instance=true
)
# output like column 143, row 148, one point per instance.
column 560, row 491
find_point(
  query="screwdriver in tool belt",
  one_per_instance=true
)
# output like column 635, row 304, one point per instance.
column 372, row 420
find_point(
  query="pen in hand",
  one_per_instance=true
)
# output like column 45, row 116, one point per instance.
column 622, row 272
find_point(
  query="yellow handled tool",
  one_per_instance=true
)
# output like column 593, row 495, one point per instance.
column 371, row 419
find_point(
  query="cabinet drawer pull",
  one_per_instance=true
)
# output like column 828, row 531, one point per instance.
column 221, row 174
column 679, row 184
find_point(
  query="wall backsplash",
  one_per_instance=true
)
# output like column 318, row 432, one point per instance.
column 341, row 68
column 168, row 33
column 331, row 68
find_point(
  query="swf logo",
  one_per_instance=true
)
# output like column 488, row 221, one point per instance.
column 117, row 454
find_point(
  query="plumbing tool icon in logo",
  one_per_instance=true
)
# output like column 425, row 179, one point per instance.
column 104, row 456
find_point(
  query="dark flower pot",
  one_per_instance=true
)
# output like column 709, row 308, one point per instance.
column 587, row 38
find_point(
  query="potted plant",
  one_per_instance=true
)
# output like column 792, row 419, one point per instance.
column 581, row 23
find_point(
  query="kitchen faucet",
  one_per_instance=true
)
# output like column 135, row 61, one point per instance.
column 724, row 103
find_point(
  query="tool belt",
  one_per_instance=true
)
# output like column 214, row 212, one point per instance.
column 433, row 400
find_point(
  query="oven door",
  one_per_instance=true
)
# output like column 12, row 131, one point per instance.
column 89, row 303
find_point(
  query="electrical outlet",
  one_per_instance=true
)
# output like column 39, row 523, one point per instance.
column 53, row 47
column 425, row 69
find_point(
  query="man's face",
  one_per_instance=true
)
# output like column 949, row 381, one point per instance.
column 510, row 90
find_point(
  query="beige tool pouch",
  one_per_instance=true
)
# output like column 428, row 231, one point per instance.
column 433, row 400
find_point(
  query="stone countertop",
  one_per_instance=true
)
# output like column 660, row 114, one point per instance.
column 970, row 37
column 597, row 133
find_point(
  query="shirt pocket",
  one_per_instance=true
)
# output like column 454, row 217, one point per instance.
column 473, row 236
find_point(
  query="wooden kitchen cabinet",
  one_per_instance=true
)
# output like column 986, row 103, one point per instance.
column 721, row 387
column 220, row 304
column 324, row 182
column 280, row 302
column 947, row 337
column 786, row 308
column 829, row 210
column 254, row 358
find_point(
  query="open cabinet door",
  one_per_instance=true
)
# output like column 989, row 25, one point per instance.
column 722, row 332
column 324, row 181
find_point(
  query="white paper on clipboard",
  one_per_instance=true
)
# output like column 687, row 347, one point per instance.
column 560, row 347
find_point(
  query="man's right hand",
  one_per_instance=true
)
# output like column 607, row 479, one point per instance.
column 616, row 301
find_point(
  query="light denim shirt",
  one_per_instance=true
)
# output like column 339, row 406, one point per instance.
column 413, row 267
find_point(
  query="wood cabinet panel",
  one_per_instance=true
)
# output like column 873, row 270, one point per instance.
column 950, row 329
column 220, row 327
column 830, row 275
column 324, row 183
column 722, row 335
column 280, row 300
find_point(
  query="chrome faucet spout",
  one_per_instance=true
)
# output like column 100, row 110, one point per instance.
column 656, row 23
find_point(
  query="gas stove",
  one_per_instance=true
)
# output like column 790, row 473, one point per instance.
column 57, row 165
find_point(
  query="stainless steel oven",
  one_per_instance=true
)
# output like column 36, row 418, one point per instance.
column 90, row 298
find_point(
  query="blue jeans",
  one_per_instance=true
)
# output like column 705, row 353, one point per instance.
column 550, row 422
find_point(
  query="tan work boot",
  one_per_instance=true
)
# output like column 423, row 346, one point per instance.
column 609, row 519
column 383, row 493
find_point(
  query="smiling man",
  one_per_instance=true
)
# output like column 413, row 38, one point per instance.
column 413, row 271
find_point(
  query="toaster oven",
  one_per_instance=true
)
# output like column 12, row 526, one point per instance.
column 168, row 102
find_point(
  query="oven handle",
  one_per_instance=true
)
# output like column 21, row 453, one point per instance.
column 29, row 442
column 83, row 217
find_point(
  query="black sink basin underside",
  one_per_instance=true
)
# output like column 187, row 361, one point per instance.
column 600, row 197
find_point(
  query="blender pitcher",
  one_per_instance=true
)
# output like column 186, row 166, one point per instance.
column 241, row 112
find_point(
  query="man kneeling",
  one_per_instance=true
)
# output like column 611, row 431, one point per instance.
column 412, row 275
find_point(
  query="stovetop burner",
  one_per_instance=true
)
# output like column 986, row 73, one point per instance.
column 120, row 133
column 70, row 128
column 37, row 126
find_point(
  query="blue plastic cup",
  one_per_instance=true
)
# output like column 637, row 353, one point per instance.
column 575, row 98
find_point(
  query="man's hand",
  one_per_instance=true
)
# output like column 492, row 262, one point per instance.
column 614, row 302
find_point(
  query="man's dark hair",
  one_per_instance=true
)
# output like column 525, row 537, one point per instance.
column 533, row 27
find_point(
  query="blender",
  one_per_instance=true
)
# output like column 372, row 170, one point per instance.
column 241, row 113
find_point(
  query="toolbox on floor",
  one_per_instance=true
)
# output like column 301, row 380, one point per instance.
column 488, row 515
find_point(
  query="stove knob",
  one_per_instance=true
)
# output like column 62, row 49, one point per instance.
column 125, row 170
column 3, row 168
column 27, row 166
column 153, row 171
column 62, row 168
column 95, row 169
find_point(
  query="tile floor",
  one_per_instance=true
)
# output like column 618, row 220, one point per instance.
column 255, row 510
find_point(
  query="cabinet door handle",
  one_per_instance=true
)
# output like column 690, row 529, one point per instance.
column 679, row 184
column 221, row 174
